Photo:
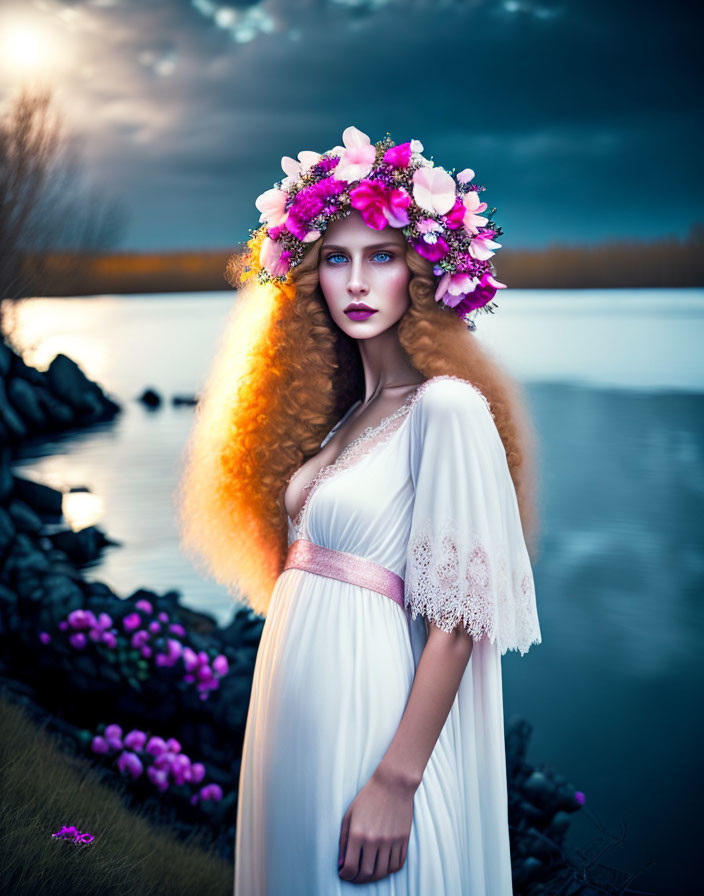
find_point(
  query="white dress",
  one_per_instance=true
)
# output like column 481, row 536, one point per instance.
column 426, row 493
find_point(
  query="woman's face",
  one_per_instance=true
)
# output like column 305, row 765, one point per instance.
column 362, row 266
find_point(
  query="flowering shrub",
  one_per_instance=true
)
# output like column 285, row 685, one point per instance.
column 149, row 644
column 162, row 761
column 70, row 832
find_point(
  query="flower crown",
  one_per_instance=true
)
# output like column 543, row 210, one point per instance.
column 388, row 184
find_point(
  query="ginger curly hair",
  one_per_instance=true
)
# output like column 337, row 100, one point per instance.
column 283, row 375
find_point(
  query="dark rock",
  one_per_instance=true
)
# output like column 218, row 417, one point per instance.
column 59, row 412
column 24, row 371
column 22, row 396
column 40, row 497
column 6, row 355
column 81, row 546
column 12, row 422
column 150, row 398
column 24, row 518
column 67, row 380
column 25, row 558
column 7, row 529
column 188, row 400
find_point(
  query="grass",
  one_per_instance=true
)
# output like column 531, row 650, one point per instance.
column 43, row 787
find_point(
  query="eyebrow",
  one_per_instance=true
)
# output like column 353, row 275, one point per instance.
column 372, row 246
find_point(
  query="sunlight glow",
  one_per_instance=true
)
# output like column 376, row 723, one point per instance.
column 23, row 47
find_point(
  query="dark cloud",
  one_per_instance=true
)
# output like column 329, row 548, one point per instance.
column 581, row 118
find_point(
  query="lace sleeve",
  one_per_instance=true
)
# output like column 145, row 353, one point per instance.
column 467, row 562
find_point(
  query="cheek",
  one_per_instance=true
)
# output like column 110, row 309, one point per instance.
column 395, row 285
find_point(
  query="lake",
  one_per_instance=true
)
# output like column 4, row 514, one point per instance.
column 615, row 384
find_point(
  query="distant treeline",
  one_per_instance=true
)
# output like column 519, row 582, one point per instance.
column 666, row 262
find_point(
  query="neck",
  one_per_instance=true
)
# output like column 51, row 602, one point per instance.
column 386, row 365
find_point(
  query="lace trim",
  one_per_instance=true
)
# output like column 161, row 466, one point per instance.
column 368, row 439
column 476, row 588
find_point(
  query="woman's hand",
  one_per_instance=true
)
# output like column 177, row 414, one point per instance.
column 376, row 828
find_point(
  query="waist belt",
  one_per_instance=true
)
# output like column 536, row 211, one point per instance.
column 304, row 554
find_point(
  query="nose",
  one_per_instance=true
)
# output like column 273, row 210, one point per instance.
column 357, row 284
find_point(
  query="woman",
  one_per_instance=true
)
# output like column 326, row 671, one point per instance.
column 389, row 558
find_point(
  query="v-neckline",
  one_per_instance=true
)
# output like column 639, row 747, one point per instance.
column 327, row 469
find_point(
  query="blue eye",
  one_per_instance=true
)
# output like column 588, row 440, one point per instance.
column 333, row 255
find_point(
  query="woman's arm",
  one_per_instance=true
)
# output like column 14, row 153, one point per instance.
column 377, row 824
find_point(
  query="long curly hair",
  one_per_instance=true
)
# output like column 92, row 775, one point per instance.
column 283, row 374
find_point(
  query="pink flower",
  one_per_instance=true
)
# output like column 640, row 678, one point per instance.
column 154, row 626
column 177, row 629
column 472, row 205
column 140, row 638
column 434, row 190
column 453, row 287
column 356, row 158
column 483, row 293
column 211, row 792
column 104, row 621
column 197, row 772
column 113, row 731
column 398, row 156
column 294, row 169
column 380, row 206
column 44, row 637
column 272, row 205
column 481, row 247
column 465, row 175
column 109, row 639
column 270, row 257
column 579, row 797
column 146, row 651
column 145, row 606
column 163, row 617
column 78, row 640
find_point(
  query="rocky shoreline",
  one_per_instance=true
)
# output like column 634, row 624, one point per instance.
column 134, row 683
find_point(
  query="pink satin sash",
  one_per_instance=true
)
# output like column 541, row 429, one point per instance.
column 344, row 567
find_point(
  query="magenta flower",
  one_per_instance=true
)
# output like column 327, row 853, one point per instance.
column 178, row 629
column 104, row 621
column 190, row 659
column 63, row 625
column 457, row 215
column 220, row 665
column 154, row 627
column 380, row 206
column 140, row 638
column 110, row 639
column 114, row 731
column 146, row 651
column 44, row 637
column 163, row 617
column 159, row 776
column 79, row 619
column 99, row 745
column 197, row 772
column 78, row 640
column 579, row 797
column 156, row 746
column 131, row 622
column 135, row 739
column 211, row 792
column 398, row 156
column 433, row 251
column 144, row 605
column 173, row 745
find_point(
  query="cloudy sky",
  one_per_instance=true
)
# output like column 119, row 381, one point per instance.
column 581, row 117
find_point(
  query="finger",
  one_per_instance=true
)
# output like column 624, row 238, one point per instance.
column 395, row 858
column 366, row 867
column 344, row 834
column 350, row 865
column 381, row 869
